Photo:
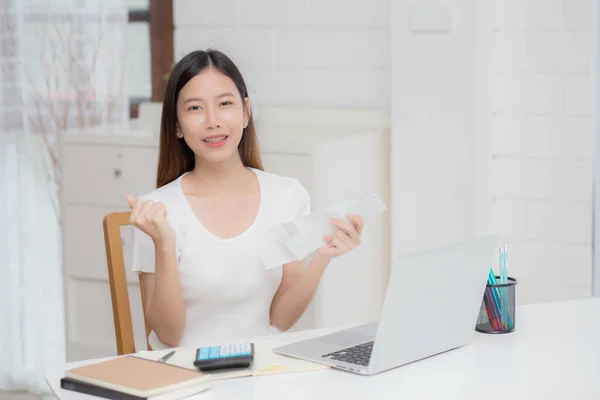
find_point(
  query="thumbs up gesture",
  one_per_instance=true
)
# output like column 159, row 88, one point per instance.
column 151, row 218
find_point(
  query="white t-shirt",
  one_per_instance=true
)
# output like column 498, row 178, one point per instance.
column 226, row 289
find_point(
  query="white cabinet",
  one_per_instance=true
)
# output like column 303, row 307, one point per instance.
column 100, row 168
column 330, row 162
column 97, row 170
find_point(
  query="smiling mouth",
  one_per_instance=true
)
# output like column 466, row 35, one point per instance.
column 215, row 139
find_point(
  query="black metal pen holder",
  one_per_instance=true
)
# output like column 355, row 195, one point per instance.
column 497, row 312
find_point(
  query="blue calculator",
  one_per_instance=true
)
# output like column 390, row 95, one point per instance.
column 238, row 355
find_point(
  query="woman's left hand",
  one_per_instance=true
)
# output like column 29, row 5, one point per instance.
column 346, row 238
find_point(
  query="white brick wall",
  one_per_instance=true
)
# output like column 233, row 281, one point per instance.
column 336, row 53
column 544, row 57
column 330, row 53
column 434, row 83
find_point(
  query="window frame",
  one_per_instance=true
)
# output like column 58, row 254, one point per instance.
column 159, row 17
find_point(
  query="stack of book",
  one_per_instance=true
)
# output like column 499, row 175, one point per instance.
column 135, row 378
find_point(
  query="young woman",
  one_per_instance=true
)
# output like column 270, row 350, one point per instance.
column 199, row 234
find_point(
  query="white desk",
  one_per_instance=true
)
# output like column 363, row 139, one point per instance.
column 553, row 354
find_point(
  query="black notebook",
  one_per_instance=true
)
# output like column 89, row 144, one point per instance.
column 99, row 391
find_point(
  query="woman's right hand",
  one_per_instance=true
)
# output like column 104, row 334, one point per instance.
column 151, row 218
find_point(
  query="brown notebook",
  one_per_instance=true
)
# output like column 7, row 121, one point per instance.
column 141, row 377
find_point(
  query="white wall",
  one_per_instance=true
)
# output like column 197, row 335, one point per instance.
column 331, row 53
column 544, row 57
column 596, row 167
column 433, row 118
column 492, row 131
column 492, row 120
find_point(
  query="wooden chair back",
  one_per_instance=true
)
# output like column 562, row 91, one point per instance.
column 118, row 283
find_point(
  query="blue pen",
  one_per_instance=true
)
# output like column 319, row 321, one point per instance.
column 505, row 272
column 496, row 294
column 505, row 264
column 500, row 263
column 506, row 281
column 492, row 281
column 502, row 281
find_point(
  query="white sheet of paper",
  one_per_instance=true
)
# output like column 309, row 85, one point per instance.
column 293, row 241
column 363, row 206
column 266, row 362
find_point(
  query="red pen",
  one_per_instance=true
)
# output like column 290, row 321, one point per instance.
column 491, row 310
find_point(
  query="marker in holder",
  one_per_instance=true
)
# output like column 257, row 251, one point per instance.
column 497, row 312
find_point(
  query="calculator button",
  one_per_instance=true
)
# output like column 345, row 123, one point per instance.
column 246, row 349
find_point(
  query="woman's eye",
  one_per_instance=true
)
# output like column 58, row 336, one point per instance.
column 194, row 108
column 226, row 103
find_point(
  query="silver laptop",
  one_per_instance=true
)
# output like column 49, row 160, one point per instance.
column 431, row 306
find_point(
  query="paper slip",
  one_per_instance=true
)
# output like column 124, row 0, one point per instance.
column 266, row 362
column 293, row 241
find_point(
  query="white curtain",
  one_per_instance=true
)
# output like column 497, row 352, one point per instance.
column 60, row 69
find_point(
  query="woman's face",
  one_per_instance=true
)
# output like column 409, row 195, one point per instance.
column 211, row 116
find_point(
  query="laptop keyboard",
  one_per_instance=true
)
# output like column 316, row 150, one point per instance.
column 359, row 355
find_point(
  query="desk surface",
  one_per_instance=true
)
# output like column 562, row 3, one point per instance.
column 553, row 354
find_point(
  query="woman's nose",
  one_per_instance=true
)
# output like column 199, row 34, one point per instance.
column 211, row 121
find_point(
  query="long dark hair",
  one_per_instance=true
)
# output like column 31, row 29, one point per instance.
column 175, row 156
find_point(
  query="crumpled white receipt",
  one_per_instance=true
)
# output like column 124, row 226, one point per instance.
column 291, row 241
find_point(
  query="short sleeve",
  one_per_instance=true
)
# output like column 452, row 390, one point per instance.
column 143, row 252
column 299, row 203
